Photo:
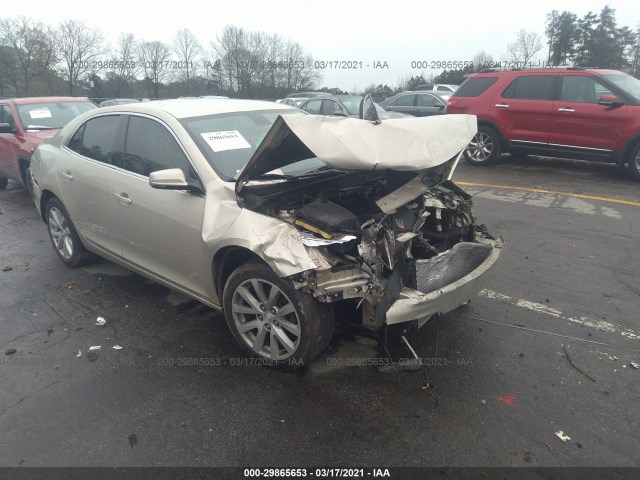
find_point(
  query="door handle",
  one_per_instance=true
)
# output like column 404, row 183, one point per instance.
column 502, row 105
column 66, row 175
column 123, row 198
column 566, row 110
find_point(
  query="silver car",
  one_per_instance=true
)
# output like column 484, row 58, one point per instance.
column 271, row 215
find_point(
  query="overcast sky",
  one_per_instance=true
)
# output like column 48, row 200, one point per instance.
column 334, row 29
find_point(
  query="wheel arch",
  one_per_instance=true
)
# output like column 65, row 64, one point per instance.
column 225, row 261
column 484, row 122
column 626, row 151
column 44, row 199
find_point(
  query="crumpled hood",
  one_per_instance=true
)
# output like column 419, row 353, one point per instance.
column 404, row 144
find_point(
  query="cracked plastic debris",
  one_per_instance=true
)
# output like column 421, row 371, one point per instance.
column 100, row 321
column 117, row 347
column 311, row 240
column 79, row 354
column 635, row 365
column 561, row 435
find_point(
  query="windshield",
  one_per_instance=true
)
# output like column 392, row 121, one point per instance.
column 228, row 141
column 45, row 116
column 626, row 83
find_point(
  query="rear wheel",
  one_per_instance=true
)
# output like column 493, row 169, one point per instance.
column 273, row 321
column 484, row 148
column 634, row 161
column 63, row 235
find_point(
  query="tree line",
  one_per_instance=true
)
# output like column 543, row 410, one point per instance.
column 73, row 58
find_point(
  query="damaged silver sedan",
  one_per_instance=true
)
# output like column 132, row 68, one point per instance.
column 271, row 215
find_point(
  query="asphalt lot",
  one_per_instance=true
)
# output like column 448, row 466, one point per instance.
column 570, row 267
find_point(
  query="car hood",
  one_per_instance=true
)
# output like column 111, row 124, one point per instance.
column 402, row 144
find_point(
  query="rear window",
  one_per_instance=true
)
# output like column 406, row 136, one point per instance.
column 535, row 87
column 42, row 116
column 473, row 87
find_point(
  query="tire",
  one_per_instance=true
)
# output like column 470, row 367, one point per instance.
column 254, row 313
column 485, row 147
column 27, row 176
column 63, row 235
column 4, row 181
column 634, row 161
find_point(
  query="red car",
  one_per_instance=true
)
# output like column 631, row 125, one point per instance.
column 25, row 123
column 588, row 114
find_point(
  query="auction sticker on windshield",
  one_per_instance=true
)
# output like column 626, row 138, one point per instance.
column 42, row 113
column 229, row 140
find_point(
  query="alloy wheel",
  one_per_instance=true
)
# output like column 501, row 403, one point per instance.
column 266, row 319
column 60, row 233
column 481, row 147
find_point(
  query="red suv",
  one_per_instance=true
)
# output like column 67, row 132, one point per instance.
column 574, row 112
column 25, row 123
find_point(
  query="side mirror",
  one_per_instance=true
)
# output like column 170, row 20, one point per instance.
column 7, row 128
column 368, row 109
column 609, row 100
column 172, row 179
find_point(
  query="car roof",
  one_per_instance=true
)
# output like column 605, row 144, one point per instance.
column 521, row 71
column 28, row 100
column 197, row 107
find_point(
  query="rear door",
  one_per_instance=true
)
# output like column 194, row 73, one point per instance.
column 86, row 168
column 404, row 103
column 580, row 124
column 9, row 145
column 161, row 229
column 523, row 109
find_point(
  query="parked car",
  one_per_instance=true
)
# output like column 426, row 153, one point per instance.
column 443, row 88
column 573, row 112
column 418, row 104
column 25, row 123
column 117, row 101
column 344, row 106
column 270, row 214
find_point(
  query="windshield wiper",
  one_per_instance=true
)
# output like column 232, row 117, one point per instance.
column 37, row 127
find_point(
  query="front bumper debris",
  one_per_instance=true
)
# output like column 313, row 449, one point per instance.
column 441, row 288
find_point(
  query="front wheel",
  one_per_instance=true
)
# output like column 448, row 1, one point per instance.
column 484, row 148
column 273, row 321
column 634, row 161
column 63, row 235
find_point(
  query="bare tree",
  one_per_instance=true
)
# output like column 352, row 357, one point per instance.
column 33, row 48
column 154, row 58
column 125, row 63
column 79, row 46
column 482, row 60
column 187, row 50
column 525, row 48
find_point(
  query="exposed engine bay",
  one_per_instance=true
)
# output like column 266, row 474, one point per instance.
column 376, row 241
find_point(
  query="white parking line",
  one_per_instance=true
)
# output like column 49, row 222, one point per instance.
column 541, row 308
column 547, row 200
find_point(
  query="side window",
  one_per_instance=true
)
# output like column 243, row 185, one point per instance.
column 331, row 107
column 474, row 87
column 532, row 87
column 75, row 143
column 578, row 88
column 405, row 101
column 151, row 147
column 6, row 116
column 99, row 140
column 428, row 101
column 442, row 88
column 313, row 106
